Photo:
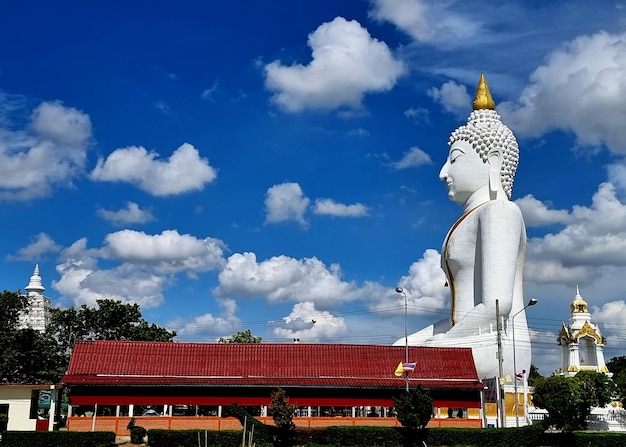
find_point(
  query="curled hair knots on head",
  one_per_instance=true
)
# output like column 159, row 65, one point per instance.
column 485, row 132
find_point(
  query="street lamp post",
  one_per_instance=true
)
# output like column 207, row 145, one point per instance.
column 532, row 302
column 400, row 290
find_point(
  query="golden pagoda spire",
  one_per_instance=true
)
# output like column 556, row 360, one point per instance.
column 483, row 99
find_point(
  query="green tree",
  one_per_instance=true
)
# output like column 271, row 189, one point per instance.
column 114, row 320
column 11, row 305
column 414, row 410
column 27, row 355
column 533, row 374
column 559, row 395
column 282, row 413
column 110, row 320
column 617, row 365
column 569, row 400
column 241, row 337
column 596, row 389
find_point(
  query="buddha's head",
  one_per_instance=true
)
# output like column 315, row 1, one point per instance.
column 491, row 139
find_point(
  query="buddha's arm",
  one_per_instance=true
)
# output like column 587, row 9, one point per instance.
column 501, row 237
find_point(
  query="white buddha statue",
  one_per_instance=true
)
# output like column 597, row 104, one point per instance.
column 483, row 253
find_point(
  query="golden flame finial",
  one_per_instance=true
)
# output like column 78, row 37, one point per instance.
column 483, row 99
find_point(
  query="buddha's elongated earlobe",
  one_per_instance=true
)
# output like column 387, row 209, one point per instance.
column 494, row 160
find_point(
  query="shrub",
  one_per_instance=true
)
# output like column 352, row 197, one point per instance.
column 137, row 434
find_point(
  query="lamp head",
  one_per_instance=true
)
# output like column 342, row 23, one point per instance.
column 399, row 290
column 533, row 301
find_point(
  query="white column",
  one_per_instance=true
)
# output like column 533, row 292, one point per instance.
column 54, row 396
column 526, row 417
column 219, row 411
column 600, row 358
column 500, row 407
column 117, row 411
column 131, row 410
column 93, row 419
column 574, row 358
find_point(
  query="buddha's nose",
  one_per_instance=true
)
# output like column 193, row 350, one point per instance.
column 443, row 174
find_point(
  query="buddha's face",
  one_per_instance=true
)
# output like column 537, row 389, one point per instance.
column 464, row 172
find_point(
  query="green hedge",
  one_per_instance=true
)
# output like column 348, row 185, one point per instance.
column 531, row 436
column 584, row 439
column 490, row 437
column 349, row 436
column 57, row 439
column 189, row 438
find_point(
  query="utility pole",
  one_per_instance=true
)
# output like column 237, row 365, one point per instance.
column 401, row 291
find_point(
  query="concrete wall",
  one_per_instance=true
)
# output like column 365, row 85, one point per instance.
column 118, row 424
column 18, row 399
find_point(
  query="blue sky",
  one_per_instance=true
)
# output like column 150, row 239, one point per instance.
column 235, row 165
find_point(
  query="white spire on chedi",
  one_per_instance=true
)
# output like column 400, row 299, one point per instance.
column 35, row 286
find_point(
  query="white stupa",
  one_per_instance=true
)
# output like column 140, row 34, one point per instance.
column 581, row 341
column 38, row 315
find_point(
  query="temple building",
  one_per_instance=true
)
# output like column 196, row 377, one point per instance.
column 581, row 341
column 38, row 315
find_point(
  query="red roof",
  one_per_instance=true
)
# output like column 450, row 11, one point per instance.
column 266, row 364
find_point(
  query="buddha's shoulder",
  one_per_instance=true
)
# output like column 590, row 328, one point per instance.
column 500, row 207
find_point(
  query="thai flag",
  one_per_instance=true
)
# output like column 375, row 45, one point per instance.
column 519, row 376
column 408, row 366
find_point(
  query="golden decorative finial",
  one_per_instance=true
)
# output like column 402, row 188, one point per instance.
column 483, row 99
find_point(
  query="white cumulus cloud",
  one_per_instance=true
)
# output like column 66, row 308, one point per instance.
column 580, row 88
column 427, row 297
column 307, row 324
column 425, row 285
column 282, row 278
column 425, row 21
column 593, row 239
column 612, row 313
column 209, row 326
column 168, row 252
column 41, row 244
column 536, row 213
column 139, row 266
column 346, row 64
column 453, row 98
column 129, row 215
column 50, row 152
column 182, row 172
column 412, row 158
column 331, row 208
column 286, row 202
column 61, row 125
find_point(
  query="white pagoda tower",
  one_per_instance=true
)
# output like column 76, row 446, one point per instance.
column 581, row 341
column 38, row 315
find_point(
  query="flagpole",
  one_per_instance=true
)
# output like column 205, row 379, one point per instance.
column 400, row 290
